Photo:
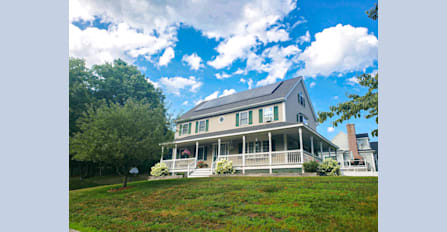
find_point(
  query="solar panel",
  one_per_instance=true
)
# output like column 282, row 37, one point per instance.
column 242, row 96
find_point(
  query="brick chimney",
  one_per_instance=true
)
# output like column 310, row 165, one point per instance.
column 352, row 141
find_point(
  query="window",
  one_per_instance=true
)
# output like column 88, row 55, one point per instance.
column 221, row 119
column 258, row 146
column 301, row 99
column 301, row 119
column 265, row 146
column 202, row 126
column 250, row 147
column 185, row 128
column 268, row 114
column 243, row 120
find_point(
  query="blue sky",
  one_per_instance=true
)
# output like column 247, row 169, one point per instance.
column 197, row 50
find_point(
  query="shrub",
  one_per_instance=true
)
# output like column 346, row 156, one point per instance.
column 311, row 166
column 224, row 167
column 159, row 169
column 202, row 164
column 329, row 167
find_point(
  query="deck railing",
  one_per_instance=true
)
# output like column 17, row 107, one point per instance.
column 180, row 164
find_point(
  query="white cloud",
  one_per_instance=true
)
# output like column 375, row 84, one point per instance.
column 155, row 84
column 118, row 41
column 352, row 81
column 167, row 56
column 194, row 61
column 339, row 49
column 185, row 103
column 239, row 26
column 250, row 83
column 330, row 129
column 335, row 97
column 238, row 72
column 282, row 59
column 312, row 84
column 304, row 38
column 298, row 22
column 227, row 92
column 175, row 84
column 221, row 76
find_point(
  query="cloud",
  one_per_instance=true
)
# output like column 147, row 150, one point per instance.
column 97, row 46
column 281, row 60
column 298, row 22
column 239, row 26
column 339, row 49
column 312, row 84
column 227, row 92
column 238, row 72
column 330, row 129
column 185, row 103
column 335, row 97
column 222, row 76
column 167, row 56
column 250, row 83
column 352, row 81
column 175, row 84
column 304, row 38
column 155, row 84
column 194, row 61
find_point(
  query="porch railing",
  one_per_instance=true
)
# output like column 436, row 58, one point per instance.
column 180, row 164
column 264, row 159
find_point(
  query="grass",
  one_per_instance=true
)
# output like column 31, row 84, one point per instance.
column 77, row 183
column 230, row 204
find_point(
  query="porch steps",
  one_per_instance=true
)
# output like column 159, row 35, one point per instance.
column 201, row 172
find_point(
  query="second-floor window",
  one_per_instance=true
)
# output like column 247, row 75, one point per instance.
column 268, row 114
column 243, row 118
column 301, row 118
column 185, row 128
column 301, row 99
column 202, row 126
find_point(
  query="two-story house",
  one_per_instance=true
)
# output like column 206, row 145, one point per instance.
column 267, row 129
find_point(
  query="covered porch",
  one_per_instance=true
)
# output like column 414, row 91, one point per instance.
column 269, row 149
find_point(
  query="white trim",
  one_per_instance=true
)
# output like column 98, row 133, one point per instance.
column 198, row 126
column 183, row 126
column 284, row 111
column 273, row 113
column 248, row 117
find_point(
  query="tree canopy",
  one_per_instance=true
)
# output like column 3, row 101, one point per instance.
column 121, row 136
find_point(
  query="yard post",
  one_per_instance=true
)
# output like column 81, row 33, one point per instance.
column 243, row 154
column 300, row 132
column 270, row 152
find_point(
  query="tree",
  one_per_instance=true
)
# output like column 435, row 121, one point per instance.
column 358, row 104
column 121, row 136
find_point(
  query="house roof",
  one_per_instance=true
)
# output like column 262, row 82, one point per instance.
column 362, row 135
column 268, row 94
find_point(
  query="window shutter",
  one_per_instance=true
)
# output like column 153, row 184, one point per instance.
column 250, row 117
column 260, row 116
column 237, row 119
column 240, row 148
column 180, row 130
column 275, row 113
column 206, row 128
column 297, row 117
column 205, row 154
column 189, row 128
column 197, row 127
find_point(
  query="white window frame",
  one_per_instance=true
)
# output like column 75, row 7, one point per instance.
column 183, row 128
column 240, row 118
column 204, row 126
column 264, row 117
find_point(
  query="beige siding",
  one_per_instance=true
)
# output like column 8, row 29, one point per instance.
column 230, row 121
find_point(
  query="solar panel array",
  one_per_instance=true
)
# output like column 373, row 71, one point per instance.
column 242, row 96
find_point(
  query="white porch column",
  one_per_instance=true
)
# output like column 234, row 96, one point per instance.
column 286, row 154
column 197, row 153
column 270, row 151
column 300, row 132
column 174, row 156
column 321, row 150
column 243, row 154
column 312, row 145
column 218, row 149
column 162, row 150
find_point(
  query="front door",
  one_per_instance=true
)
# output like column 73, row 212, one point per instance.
column 224, row 150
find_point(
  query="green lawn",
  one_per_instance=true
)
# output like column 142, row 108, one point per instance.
column 77, row 183
column 230, row 204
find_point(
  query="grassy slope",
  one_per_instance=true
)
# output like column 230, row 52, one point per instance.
column 230, row 204
column 77, row 183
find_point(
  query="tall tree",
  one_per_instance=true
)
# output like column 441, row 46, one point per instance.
column 356, row 105
column 120, row 135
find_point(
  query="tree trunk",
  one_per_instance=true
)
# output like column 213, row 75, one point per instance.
column 125, row 181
